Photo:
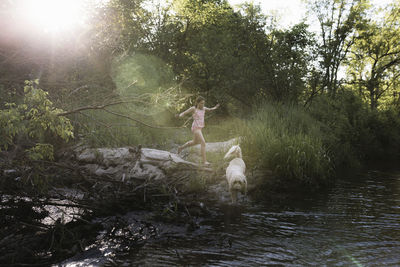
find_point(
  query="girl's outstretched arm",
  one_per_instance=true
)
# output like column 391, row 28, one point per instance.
column 191, row 109
column 211, row 109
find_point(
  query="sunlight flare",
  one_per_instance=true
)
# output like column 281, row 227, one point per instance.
column 53, row 15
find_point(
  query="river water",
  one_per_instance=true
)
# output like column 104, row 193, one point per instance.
column 356, row 223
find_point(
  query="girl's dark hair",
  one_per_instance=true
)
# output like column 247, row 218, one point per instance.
column 199, row 99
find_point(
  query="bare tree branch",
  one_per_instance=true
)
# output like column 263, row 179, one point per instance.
column 143, row 123
column 98, row 107
column 103, row 107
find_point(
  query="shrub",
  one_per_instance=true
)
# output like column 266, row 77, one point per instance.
column 35, row 121
column 354, row 134
column 341, row 119
column 287, row 141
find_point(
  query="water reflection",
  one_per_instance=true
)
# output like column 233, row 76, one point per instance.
column 357, row 223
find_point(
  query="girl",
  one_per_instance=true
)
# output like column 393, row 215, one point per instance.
column 197, row 112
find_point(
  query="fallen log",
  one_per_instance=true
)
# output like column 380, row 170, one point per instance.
column 129, row 163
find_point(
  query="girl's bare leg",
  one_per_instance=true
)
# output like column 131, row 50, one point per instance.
column 188, row 143
column 199, row 137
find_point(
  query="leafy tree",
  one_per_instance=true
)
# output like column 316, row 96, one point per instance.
column 228, row 55
column 204, row 47
column 374, row 62
column 36, row 121
column 121, row 26
column 339, row 20
column 291, row 56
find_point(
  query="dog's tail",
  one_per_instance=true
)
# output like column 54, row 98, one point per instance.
column 234, row 151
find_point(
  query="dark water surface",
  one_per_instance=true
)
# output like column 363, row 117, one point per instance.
column 357, row 223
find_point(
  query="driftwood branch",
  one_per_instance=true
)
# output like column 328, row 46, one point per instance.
column 141, row 122
column 94, row 107
column 104, row 106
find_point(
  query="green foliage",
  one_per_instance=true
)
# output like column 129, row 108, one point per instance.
column 373, row 66
column 10, row 125
column 40, row 152
column 140, row 74
column 226, row 54
column 148, row 81
column 41, row 116
column 123, row 133
column 339, row 21
column 234, row 57
column 197, row 184
column 146, row 86
column 339, row 118
column 36, row 120
column 386, row 129
column 354, row 134
column 222, row 128
column 121, row 24
column 287, row 141
column 290, row 55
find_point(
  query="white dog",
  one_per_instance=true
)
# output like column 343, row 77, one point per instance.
column 235, row 172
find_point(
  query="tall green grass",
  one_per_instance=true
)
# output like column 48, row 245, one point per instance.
column 286, row 140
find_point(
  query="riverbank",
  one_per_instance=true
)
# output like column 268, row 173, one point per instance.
column 54, row 209
column 83, row 213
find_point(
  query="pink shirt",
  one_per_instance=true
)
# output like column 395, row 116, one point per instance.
column 198, row 119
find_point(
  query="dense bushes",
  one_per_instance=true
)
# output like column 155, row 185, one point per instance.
column 286, row 140
column 385, row 126
column 353, row 133
column 338, row 119
column 309, row 146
